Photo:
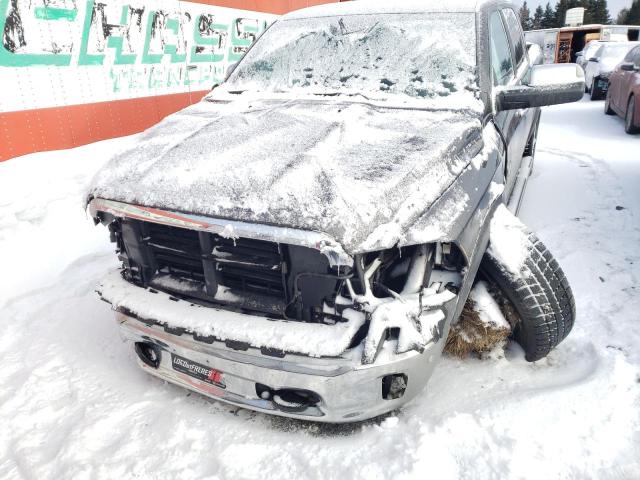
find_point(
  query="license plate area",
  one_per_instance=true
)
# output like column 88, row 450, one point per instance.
column 204, row 373
column 603, row 84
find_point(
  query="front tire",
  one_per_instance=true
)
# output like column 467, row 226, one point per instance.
column 596, row 93
column 607, row 104
column 629, row 126
column 541, row 297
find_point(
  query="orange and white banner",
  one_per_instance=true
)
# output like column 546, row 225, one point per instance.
column 75, row 71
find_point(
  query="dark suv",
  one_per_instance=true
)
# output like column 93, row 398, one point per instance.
column 300, row 242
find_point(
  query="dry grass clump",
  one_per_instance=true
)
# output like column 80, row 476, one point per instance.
column 472, row 335
column 506, row 307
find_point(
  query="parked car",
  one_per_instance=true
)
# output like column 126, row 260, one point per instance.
column 601, row 65
column 299, row 242
column 623, row 95
column 589, row 51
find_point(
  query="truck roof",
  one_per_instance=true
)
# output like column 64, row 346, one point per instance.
column 390, row 6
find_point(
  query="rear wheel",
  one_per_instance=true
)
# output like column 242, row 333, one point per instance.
column 607, row 104
column 629, row 126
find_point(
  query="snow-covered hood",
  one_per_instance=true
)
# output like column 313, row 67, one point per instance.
column 361, row 173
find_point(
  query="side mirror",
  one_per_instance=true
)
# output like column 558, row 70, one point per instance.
column 594, row 59
column 548, row 85
column 535, row 54
column 628, row 67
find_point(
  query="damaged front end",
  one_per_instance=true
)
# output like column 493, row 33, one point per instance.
column 276, row 319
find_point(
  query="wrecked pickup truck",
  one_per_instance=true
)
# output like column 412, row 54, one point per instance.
column 301, row 240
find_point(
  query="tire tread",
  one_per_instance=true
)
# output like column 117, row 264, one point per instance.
column 542, row 297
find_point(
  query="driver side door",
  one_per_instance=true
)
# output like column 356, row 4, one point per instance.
column 510, row 67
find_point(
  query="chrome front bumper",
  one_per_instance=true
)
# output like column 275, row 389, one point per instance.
column 348, row 390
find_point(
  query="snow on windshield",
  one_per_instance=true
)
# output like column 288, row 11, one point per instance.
column 611, row 55
column 591, row 49
column 418, row 55
column 616, row 52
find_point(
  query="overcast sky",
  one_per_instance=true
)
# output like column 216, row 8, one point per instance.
column 614, row 5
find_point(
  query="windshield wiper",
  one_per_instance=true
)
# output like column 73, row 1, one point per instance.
column 336, row 94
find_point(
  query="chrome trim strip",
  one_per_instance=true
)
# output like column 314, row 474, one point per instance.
column 226, row 228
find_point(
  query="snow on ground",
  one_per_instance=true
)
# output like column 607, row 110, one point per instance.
column 73, row 404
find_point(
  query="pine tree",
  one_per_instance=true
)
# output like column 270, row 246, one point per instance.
column 631, row 15
column 622, row 16
column 634, row 13
column 600, row 13
column 549, row 17
column 525, row 16
column 561, row 12
column 589, row 11
column 536, row 23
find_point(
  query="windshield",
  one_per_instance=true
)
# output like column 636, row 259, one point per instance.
column 616, row 52
column 415, row 55
column 592, row 48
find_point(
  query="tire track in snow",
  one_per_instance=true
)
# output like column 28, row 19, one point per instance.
column 610, row 233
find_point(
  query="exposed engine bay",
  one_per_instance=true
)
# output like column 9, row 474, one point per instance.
column 392, row 290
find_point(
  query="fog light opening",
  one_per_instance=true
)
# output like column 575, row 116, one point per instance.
column 394, row 386
column 148, row 353
column 288, row 399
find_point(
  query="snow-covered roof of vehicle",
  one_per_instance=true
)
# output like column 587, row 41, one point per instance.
column 362, row 7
